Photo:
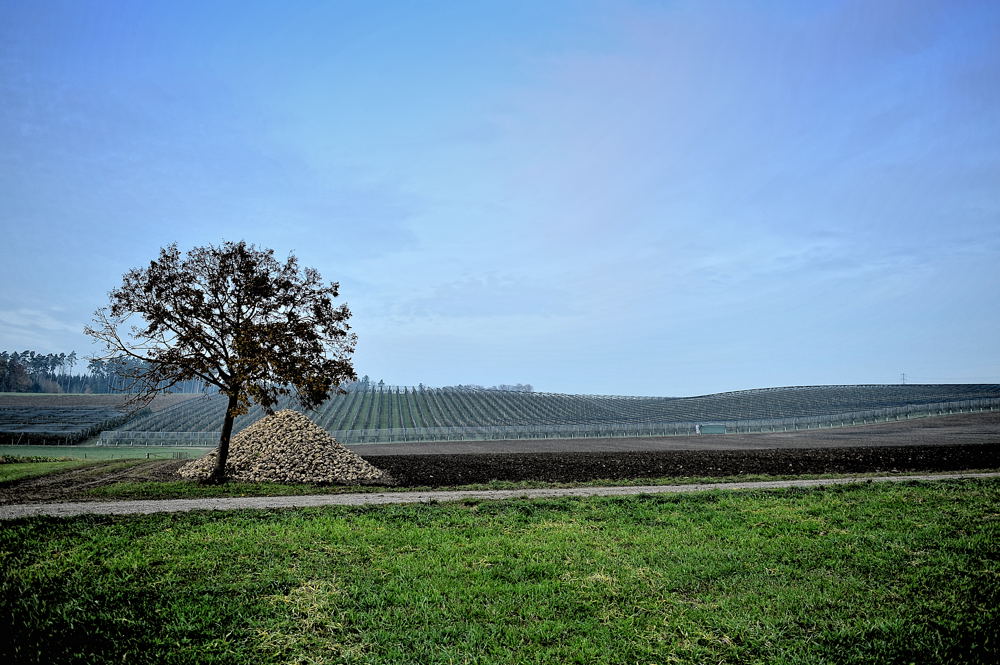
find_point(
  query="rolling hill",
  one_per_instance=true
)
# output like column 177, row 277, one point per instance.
column 392, row 413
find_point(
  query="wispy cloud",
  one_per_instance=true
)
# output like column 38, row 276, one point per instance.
column 34, row 329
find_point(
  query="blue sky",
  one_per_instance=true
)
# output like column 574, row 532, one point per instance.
column 657, row 198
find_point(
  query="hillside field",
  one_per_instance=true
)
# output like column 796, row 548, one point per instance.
column 403, row 414
column 388, row 414
column 29, row 418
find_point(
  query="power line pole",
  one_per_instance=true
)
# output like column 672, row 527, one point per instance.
column 903, row 378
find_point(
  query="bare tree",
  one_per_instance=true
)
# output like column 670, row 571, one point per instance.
column 234, row 317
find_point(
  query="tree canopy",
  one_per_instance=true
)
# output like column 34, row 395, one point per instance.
column 234, row 317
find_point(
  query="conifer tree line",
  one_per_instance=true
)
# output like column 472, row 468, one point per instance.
column 32, row 372
column 366, row 383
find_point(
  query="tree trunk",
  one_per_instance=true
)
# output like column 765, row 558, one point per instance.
column 219, row 472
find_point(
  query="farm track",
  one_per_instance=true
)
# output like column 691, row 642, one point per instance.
column 382, row 498
column 74, row 483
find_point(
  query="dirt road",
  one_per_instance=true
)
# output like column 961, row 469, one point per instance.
column 75, row 483
column 245, row 503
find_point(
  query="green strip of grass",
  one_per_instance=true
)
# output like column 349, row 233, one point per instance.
column 24, row 459
column 859, row 574
column 106, row 452
column 186, row 489
column 11, row 472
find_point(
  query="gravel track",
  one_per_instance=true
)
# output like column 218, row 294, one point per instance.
column 312, row 501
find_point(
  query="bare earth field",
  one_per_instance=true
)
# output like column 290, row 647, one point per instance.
column 937, row 431
column 950, row 443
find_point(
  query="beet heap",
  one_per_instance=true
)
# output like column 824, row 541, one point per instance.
column 287, row 447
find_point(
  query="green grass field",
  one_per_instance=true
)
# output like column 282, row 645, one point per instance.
column 22, row 470
column 104, row 452
column 857, row 574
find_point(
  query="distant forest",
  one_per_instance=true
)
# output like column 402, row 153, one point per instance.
column 366, row 383
column 31, row 372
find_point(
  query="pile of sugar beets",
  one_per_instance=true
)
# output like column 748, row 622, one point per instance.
column 287, row 447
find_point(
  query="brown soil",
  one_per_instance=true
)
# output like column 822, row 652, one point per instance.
column 73, row 484
column 970, row 441
column 938, row 431
column 448, row 470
